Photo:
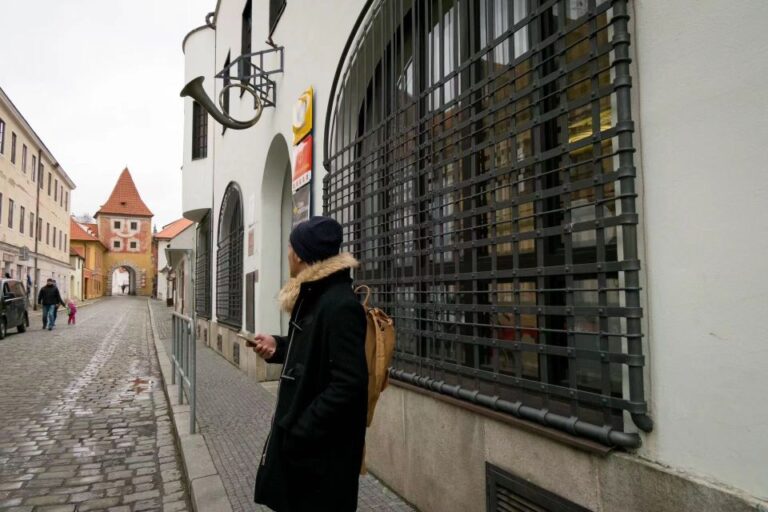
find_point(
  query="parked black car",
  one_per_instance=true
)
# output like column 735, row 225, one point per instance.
column 13, row 307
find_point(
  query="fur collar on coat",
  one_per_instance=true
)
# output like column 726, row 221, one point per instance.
column 314, row 272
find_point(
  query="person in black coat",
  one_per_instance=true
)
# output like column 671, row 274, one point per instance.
column 50, row 298
column 313, row 455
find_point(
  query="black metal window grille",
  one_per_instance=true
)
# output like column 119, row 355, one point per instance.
column 203, row 268
column 229, row 259
column 480, row 160
column 199, row 131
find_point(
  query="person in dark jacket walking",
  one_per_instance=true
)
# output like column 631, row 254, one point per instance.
column 313, row 455
column 50, row 298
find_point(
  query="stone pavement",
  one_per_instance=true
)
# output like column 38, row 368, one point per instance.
column 84, row 423
column 234, row 413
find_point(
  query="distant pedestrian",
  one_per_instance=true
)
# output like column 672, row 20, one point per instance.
column 50, row 298
column 313, row 455
column 7, row 275
column 29, row 285
column 123, row 287
column 72, row 310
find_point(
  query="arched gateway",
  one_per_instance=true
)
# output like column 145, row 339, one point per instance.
column 136, row 279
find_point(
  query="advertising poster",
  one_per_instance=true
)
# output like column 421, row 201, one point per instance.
column 302, row 167
column 301, row 205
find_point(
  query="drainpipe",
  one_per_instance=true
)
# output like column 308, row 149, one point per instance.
column 37, row 224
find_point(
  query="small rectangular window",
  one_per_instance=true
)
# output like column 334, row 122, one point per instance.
column 48, row 233
column 56, row 190
column 66, row 240
column 245, row 40
column 50, row 183
column 40, row 174
column 13, row 147
column 54, row 236
column 1, row 207
column 134, row 225
column 24, row 158
column 34, row 168
column 39, row 229
column 22, row 214
column 133, row 245
column 31, row 224
column 61, row 241
column 199, row 131
column 2, row 137
column 10, row 212
column 116, row 224
column 276, row 8
column 66, row 200
column 116, row 244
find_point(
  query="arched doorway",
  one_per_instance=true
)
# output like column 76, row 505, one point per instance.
column 276, row 218
column 229, row 259
column 121, row 280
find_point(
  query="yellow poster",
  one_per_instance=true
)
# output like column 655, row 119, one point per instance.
column 302, row 116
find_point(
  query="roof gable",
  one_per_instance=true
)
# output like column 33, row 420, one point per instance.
column 125, row 199
column 173, row 229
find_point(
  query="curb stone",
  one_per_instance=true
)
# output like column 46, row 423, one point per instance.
column 206, row 489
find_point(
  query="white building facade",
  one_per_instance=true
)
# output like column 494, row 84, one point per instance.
column 558, row 201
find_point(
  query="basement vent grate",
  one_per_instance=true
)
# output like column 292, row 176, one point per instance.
column 236, row 353
column 508, row 493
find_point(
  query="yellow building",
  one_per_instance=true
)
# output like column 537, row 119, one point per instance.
column 86, row 245
column 34, row 204
column 124, row 227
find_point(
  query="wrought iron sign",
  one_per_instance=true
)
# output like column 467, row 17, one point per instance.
column 251, row 75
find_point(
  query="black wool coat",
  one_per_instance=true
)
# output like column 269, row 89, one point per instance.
column 312, row 458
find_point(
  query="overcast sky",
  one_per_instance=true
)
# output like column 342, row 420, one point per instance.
column 99, row 82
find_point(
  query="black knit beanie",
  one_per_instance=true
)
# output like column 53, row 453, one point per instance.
column 316, row 239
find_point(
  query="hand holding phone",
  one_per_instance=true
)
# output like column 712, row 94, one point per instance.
column 264, row 345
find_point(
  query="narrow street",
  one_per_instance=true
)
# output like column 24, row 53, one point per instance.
column 84, row 422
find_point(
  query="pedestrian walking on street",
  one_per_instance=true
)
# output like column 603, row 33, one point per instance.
column 313, row 455
column 72, row 310
column 50, row 298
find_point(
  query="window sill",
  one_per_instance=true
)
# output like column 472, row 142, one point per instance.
column 550, row 433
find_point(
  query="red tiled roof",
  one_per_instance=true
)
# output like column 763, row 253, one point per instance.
column 76, row 232
column 77, row 251
column 92, row 229
column 125, row 199
column 174, row 228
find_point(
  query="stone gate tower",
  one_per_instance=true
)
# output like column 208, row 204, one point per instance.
column 125, row 228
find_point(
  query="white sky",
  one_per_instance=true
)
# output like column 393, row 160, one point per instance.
column 99, row 82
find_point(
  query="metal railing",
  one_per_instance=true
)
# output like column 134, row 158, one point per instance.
column 184, row 360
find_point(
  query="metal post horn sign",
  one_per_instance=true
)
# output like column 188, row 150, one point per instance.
column 194, row 89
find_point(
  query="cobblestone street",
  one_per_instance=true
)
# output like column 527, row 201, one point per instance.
column 84, row 422
column 234, row 413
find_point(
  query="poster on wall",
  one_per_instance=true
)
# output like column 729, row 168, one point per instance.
column 302, row 164
column 301, row 205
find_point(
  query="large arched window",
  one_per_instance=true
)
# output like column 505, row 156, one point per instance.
column 229, row 259
column 480, row 161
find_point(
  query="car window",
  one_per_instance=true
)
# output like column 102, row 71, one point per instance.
column 18, row 289
column 6, row 290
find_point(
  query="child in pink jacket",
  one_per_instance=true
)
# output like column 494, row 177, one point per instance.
column 72, row 309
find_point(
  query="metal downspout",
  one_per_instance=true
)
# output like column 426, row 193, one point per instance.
column 625, row 127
